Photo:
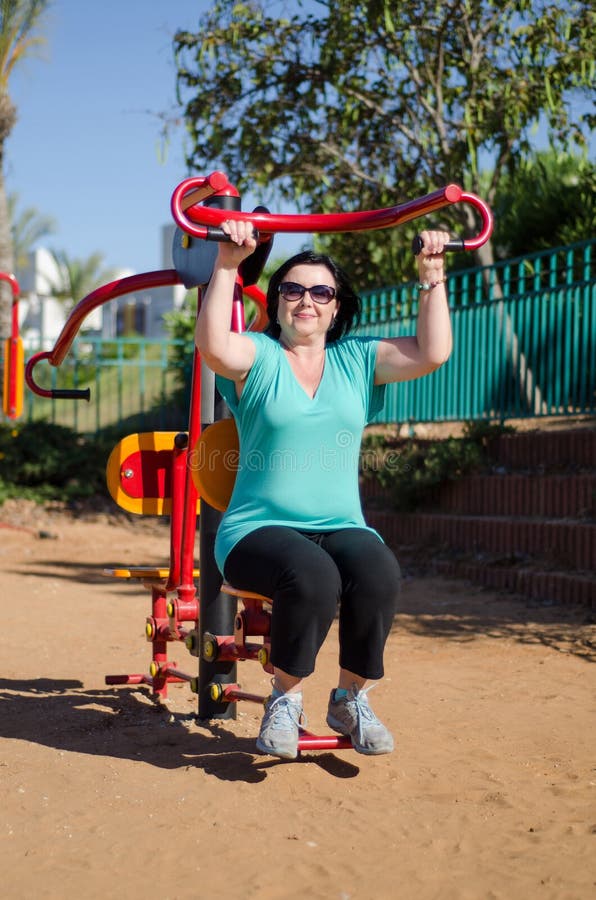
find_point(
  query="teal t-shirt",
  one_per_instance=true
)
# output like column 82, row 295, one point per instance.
column 298, row 459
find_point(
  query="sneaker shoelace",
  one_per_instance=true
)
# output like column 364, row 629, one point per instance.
column 364, row 713
column 281, row 707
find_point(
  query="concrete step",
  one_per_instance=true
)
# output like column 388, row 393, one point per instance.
column 518, row 556
column 545, row 450
column 566, row 545
column 528, row 528
column 541, row 587
column 551, row 496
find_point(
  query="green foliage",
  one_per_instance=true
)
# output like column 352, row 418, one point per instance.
column 180, row 325
column 549, row 201
column 412, row 471
column 366, row 103
column 41, row 461
column 120, row 349
column 28, row 226
column 76, row 278
column 91, row 360
column 19, row 20
column 481, row 433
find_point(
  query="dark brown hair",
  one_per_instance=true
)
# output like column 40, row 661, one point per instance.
column 348, row 312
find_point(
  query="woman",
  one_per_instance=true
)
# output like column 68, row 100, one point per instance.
column 301, row 395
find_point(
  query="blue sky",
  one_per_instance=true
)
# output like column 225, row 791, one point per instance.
column 86, row 148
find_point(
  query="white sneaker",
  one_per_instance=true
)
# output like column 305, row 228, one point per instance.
column 351, row 715
column 279, row 731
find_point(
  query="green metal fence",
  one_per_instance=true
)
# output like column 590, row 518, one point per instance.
column 524, row 341
column 524, row 346
column 134, row 382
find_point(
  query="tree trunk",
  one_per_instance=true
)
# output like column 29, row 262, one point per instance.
column 6, row 262
column 7, row 120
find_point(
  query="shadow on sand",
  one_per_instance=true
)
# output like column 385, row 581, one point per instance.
column 126, row 724
column 463, row 613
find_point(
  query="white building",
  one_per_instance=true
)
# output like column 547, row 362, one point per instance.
column 42, row 316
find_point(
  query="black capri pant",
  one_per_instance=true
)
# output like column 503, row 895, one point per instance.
column 308, row 576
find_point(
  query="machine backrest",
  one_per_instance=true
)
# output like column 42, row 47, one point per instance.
column 214, row 463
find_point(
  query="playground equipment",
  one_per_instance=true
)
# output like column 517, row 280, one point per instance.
column 14, row 363
column 162, row 474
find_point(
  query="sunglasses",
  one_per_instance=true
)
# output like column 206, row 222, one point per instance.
column 292, row 292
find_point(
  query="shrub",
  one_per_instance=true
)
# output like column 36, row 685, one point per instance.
column 411, row 471
column 43, row 461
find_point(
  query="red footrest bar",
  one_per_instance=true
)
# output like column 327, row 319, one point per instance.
column 175, row 674
column 168, row 673
column 128, row 679
column 309, row 741
column 231, row 693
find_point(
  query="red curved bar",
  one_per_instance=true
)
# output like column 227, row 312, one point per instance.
column 201, row 187
column 102, row 295
column 196, row 219
column 270, row 223
column 31, row 363
column 16, row 290
column 96, row 298
column 487, row 221
column 14, row 284
column 262, row 319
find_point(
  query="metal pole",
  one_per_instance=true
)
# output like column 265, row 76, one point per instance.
column 217, row 611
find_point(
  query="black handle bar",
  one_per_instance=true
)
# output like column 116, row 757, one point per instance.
column 214, row 233
column 450, row 247
column 70, row 394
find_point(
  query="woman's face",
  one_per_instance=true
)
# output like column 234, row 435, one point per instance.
column 305, row 317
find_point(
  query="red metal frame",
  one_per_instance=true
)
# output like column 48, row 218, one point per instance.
column 173, row 601
column 13, row 376
column 196, row 219
column 96, row 298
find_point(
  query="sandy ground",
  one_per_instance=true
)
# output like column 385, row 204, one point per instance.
column 491, row 792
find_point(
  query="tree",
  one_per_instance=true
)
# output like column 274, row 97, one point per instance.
column 27, row 227
column 364, row 103
column 77, row 277
column 548, row 201
column 18, row 22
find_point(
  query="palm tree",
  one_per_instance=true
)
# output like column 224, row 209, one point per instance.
column 27, row 227
column 18, row 21
column 77, row 277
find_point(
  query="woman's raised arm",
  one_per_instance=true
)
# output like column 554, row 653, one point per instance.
column 227, row 353
column 404, row 358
